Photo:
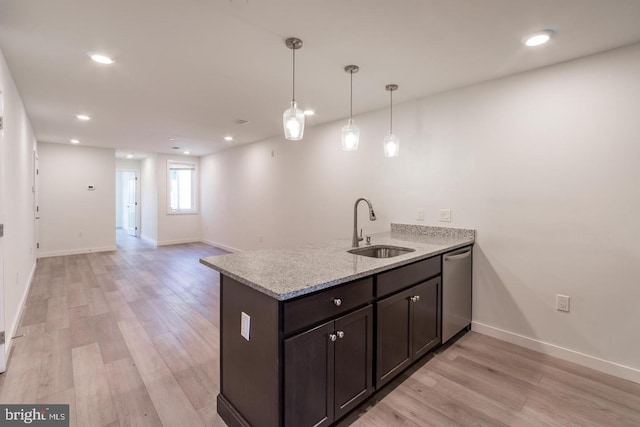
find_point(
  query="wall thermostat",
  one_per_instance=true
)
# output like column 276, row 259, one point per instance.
column 91, row 188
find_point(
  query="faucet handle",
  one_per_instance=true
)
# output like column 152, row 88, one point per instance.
column 368, row 240
column 361, row 233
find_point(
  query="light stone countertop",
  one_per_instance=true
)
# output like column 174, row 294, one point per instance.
column 288, row 273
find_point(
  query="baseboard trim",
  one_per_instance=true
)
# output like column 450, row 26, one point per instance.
column 77, row 251
column 16, row 321
column 149, row 240
column 229, row 414
column 221, row 246
column 178, row 241
column 611, row 368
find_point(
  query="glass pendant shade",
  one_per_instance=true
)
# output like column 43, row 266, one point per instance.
column 350, row 136
column 293, row 122
column 391, row 145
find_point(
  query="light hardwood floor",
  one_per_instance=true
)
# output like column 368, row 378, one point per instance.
column 130, row 338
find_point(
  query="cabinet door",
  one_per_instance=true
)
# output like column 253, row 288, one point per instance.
column 353, row 360
column 424, row 308
column 393, row 332
column 308, row 378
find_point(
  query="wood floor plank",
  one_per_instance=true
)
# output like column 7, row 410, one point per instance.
column 94, row 405
column 173, row 406
column 97, row 302
column 112, row 345
column 65, row 397
column 132, row 402
column 56, row 372
column 57, row 313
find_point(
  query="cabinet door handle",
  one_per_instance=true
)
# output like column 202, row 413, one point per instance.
column 337, row 302
column 332, row 337
column 340, row 334
column 415, row 298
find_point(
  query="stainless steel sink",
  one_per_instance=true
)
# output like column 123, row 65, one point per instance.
column 381, row 251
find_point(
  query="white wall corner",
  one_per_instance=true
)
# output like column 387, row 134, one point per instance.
column 605, row 366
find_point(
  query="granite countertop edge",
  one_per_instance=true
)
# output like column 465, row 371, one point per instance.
column 458, row 238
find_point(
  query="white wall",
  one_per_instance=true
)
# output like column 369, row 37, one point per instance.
column 73, row 219
column 16, row 206
column 544, row 165
column 149, row 196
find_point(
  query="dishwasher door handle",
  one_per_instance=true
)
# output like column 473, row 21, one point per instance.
column 457, row 256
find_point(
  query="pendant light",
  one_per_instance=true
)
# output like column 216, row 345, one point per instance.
column 293, row 118
column 391, row 141
column 350, row 132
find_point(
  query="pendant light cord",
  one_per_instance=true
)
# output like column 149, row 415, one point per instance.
column 391, row 112
column 351, row 97
column 294, row 75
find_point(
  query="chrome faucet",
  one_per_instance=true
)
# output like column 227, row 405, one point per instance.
column 372, row 217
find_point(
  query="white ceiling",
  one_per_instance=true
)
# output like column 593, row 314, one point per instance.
column 186, row 69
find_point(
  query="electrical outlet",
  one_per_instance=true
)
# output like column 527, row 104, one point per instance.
column 420, row 216
column 445, row 215
column 245, row 325
column 562, row 303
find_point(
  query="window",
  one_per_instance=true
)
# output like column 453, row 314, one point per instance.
column 182, row 187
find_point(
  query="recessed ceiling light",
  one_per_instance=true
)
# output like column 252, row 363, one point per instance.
column 130, row 156
column 537, row 38
column 102, row 59
column 171, row 139
column 82, row 117
column 309, row 112
column 186, row 152
column 74, row 141
column 228, row 138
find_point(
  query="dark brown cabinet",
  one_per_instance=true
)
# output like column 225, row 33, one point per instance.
column 327, row 370
column 407, row 328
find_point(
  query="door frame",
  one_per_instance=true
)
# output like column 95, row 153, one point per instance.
column 3, row 346
column 138, row 198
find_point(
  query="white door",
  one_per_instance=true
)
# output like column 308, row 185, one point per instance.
column 3, row 359
column 131, row 205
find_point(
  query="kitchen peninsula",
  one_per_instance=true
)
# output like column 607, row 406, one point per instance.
column 309, row 333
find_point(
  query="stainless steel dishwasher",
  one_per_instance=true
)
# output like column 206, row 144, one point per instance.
column 456, row 292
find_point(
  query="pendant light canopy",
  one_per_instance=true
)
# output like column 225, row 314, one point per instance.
column 350, row 132
column 391, row 141
column 293, row 118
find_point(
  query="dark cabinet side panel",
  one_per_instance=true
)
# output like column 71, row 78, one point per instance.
column 425, row 317
column 249, row 369
column 393, row 352
column 353, row 360
column 308, row 378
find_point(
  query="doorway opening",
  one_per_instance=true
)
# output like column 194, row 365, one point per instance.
column 127, row 204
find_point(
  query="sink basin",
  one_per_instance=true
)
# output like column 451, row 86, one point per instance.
column 380, row 251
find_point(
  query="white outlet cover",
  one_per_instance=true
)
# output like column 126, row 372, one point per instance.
column 420, row 215
column 245, row 325
column 445, row 215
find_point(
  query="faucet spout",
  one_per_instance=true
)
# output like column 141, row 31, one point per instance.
column 372, row 217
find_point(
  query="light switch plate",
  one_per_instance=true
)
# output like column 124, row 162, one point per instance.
column 245, row 325
column 445, row 215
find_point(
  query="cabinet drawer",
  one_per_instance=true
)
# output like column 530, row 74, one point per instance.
column 395, row 280
column 322, row 305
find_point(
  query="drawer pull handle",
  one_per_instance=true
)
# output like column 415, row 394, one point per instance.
column 415, row 298
column 340, row 334
column 337, row 302
column 332, row 337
